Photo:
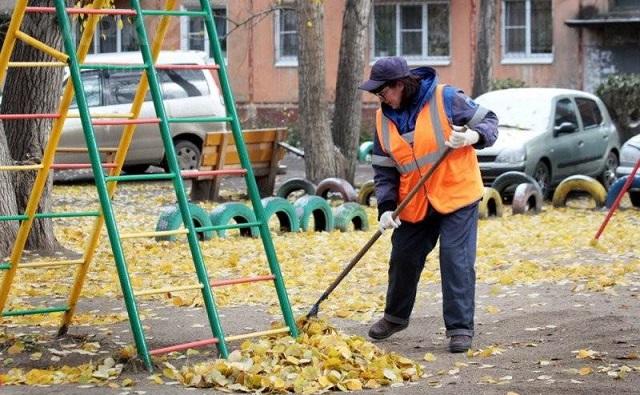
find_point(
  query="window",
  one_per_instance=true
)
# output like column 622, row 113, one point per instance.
column 527, row 30
column 286, row 36
column 194, row 33
column 627, row 3
column 413, row 30
column 177, row 84
column 123, row 87
column 92, row 89
column 565, row 112
column 589, row 112
column 113, row 34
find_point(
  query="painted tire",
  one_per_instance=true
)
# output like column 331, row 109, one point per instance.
column 527, row 199
column 367, row 191
column 505, row 180
column 491, row 204
column 308, row 206
column 224, row 213
column 365, row 150
column 616, row 187
column 296, row 184
column 337, row 185
column 283, row 210
column 579, row 183
column 350, row 213
column 171, row 219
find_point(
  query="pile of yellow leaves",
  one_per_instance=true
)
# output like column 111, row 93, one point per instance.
column 320, row 359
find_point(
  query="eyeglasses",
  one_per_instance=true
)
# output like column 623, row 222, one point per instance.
column 383, row 93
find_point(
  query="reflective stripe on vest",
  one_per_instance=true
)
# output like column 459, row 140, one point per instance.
column 420, row 162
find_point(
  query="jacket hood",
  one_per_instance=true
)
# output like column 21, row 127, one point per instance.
column 405, row 117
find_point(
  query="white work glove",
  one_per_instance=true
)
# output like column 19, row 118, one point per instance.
column 461, row 137
column 387, row 221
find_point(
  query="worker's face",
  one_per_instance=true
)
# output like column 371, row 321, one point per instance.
column 391, row 95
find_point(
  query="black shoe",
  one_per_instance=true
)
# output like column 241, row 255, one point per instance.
column 383, row 329
column 459, row 343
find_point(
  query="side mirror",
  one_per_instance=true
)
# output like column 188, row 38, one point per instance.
column 563, row 128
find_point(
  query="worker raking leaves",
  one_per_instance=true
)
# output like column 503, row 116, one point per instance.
column 417, row 120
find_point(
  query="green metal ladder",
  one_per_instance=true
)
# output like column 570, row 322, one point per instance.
column 106, row 184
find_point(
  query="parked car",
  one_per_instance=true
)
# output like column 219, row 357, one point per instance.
column 186, row 93
column 629, row 155
column 550, row 134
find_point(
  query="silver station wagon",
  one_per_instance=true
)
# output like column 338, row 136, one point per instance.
column 186, row 93
column 550, row 134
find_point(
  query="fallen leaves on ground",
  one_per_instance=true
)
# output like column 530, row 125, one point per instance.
column 319, row 360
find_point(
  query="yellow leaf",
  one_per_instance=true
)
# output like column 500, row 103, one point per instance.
column 16, row 348
column 429, row 357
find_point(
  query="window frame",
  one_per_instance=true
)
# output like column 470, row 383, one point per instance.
column 185, row 31
column 518, row 57
column 95, row 42
column 595, row 105
column 280, row 60
column 412, row 60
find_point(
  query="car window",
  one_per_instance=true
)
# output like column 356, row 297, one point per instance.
column 589, row 112
column 177, row 84
column 123, row 87
column 92, row 90
column 565, row 112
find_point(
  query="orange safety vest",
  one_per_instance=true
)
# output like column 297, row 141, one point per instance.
column 456, row 182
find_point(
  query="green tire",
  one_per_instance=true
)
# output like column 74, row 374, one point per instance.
column 365, row 150
column 242, row 214
column 310, row 206
column 283, row 210
column 350, row 213
column 171, row 219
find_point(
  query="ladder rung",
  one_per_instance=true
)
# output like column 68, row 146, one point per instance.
column 168, row 289
column 173, row 13
column 141, row 177
column 44, row 310
column 204, row 173
column 50, row 264
column 242, row 280
column 84, row 149
column 184, row 346
column 70, row 166
column 13, row 217
column 70, row 214
column 257, row 334
column 112, row 66
column 102, row 115
column 5, row 266
column 37, row 64
column 199, row 119
column 154, row 234
column 34, row 42
column 74, row 10
column 187, row 67
column 115, row 122
column 21, row 167
column 229, row 226
column 29, row 116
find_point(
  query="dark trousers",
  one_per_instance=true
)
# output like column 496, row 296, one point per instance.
column 411, row 243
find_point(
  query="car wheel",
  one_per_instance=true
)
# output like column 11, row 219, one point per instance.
column 188, row 155
column 542, row 175
column 608, row 176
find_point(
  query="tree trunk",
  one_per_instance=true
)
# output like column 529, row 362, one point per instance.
column 8, row 206
column 32, row 90
column 484, row 47
column 348, row 107
column 319, row 149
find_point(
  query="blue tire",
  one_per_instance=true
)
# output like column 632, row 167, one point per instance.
column 616, row 187
column 365, row 150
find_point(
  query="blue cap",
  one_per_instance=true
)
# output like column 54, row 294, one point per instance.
column 385, row 70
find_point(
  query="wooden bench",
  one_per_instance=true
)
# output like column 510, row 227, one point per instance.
column 219, row 152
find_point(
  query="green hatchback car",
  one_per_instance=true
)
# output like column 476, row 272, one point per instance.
column 550, row 134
